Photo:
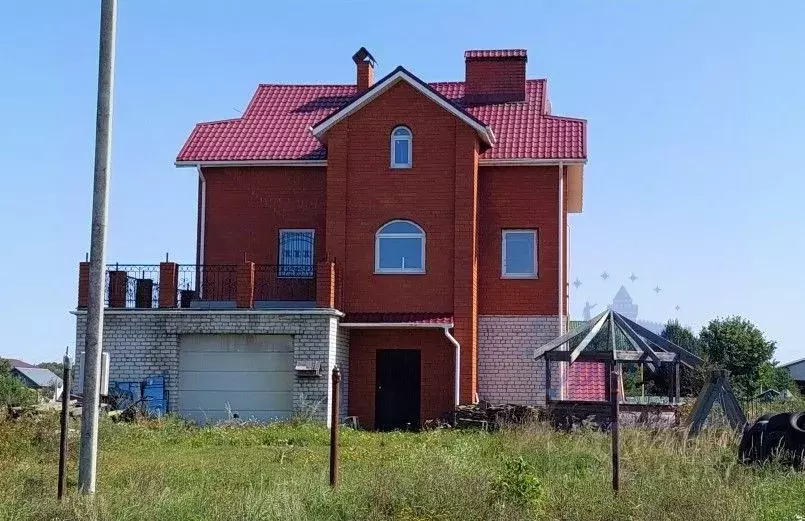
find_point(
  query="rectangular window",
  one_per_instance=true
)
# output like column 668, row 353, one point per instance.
column 400, row 255
column 296, row 254
column 401, row 152
column 519, row 254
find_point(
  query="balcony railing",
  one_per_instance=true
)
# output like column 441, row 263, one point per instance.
column 207, row 286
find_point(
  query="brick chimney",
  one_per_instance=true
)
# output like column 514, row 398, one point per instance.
column 494, row 76
column 365, row 65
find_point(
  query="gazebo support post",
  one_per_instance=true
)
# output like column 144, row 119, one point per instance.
column 614, row 398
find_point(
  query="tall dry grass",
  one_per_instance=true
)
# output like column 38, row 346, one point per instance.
column 167, row 470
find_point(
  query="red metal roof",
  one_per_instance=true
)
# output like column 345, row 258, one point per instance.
column 276, row 126
column 443, row 319
column 495, row 53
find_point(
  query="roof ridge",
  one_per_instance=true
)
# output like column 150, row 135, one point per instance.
column 305, row 85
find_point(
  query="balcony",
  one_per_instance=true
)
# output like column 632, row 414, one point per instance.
column 247, row 285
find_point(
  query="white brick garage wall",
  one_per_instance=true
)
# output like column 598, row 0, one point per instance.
column 146, row 343
column 507, row 372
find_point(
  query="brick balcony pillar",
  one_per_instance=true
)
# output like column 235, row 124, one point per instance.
column 168, row 284
column 325, row 284
column 83, row 284
column 118, row 282
column 245, row 285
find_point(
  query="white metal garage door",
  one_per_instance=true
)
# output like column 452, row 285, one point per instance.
column 248, row 375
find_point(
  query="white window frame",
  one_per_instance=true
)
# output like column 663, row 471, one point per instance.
column 409, row 140
column 503, row 272
column 280, row 264
column 398, row 271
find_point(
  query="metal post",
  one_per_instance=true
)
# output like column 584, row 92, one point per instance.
column 677, row 382
column 88, row 458
column 615, row 401
column 65, row 402
column 334, row 424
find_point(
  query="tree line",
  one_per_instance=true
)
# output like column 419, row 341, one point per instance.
column 731, row 343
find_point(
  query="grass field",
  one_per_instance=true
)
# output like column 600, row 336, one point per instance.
column 166, row 470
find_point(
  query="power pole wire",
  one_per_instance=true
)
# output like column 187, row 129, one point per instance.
column 88, row 458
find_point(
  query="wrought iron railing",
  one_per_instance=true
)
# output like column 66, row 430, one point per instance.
column 207, row 282
column 132, row 285
column 137, row 285
column 289, row 282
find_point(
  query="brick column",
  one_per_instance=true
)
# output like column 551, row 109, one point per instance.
column 118, row 281
column 465, row 266
column 335, row 208
column 325, row 284
column 168, row 284
column 83, row 284
column 245, row 285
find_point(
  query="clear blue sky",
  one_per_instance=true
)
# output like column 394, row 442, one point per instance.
column 696, row 127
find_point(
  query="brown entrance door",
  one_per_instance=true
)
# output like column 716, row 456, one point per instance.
column 397, row 389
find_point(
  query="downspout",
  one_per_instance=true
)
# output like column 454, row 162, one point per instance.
column 561, row 243
column 561, row 284
column 453, row 341
column 202, row 226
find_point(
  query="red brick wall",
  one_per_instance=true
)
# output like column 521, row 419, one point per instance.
column 495, row 80
column 518, row 197
column 436, row 360
column 364, row 193
column 246, row 208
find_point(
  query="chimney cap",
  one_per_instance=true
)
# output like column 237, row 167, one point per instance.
column 363, row 55
column 485, row 54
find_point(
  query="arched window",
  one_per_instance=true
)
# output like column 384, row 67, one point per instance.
column 400, row 248
column 401, row 147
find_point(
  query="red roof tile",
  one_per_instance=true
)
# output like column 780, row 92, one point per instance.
column 495, row 53
column 587, row 381
column 399, row 318
column 276, row 126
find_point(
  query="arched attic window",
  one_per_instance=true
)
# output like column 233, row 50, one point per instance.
column 401, row 149
column 400, row 248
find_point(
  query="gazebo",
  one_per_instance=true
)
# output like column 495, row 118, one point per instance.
column 612, row 339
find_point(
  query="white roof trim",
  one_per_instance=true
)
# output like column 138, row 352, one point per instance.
column 196, row 312
column 248, row 162
column 793, row 362
column 529, row 162
column 394, row 325
column 483, row 131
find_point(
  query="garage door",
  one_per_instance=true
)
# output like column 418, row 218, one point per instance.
column 248, row 375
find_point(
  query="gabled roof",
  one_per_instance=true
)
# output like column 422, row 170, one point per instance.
column 38, row 376
column 397, row 75
column 18, row 363
column 276, row 126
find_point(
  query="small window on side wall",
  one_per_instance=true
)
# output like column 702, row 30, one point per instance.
column 519, row 254
column 401, row 147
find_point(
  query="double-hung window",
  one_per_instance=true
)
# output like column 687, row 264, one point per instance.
column 401, row 147
column 296, row 254
column 519, row 254
column 400, row 248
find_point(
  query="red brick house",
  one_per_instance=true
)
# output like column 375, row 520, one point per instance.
column 421, row 228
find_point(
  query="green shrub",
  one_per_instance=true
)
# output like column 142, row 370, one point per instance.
column 13, row 393
column 519, row 484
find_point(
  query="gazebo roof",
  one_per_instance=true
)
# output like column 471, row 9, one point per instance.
column 611, row 337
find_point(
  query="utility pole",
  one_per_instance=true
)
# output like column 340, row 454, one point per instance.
column 88, row 458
